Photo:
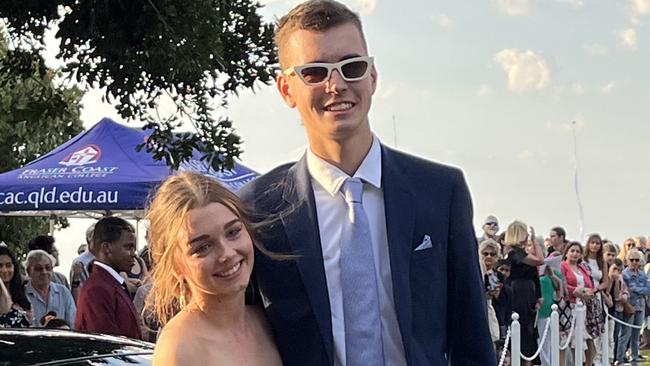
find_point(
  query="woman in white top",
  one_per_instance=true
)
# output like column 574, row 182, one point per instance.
column 595, row 261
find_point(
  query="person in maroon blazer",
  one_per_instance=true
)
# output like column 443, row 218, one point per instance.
column 104, row 304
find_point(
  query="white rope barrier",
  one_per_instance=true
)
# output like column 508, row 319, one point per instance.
column 577, row 314
column 624, row 323
column 505, row 348
column 541, row 344
column 573, row 326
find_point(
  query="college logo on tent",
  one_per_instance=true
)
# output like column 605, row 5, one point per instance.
column 88, row 154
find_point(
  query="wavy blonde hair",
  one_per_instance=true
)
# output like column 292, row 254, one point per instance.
column 168, row 215
column 516, row 233
column 622, row 254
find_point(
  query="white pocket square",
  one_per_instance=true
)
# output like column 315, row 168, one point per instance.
column 426, row 244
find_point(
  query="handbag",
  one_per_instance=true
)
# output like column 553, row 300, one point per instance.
column 628, row 309
column 564, row 314
column 563, row 308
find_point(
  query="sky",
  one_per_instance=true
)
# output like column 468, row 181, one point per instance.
column 492, row 87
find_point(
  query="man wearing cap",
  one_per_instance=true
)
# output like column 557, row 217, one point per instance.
column 490, row 229
column 387, row 270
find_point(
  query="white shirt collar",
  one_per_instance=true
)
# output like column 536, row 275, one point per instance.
column 332, row 178
column 110, row 270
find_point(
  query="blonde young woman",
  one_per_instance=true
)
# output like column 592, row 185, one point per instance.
column 625, row 248
column 526, row 292
column 203, row 255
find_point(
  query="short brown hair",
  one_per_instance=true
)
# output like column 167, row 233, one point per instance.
column 314, row 15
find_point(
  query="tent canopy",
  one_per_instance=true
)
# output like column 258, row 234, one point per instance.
column 98, row 172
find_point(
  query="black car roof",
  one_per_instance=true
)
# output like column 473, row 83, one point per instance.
column 32, row 346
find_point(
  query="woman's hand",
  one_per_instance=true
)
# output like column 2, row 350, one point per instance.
column 583, row 293
column 539, row 303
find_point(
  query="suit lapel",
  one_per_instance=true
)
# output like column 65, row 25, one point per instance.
column 400, row 226
column 301, row 226
column 108, row 279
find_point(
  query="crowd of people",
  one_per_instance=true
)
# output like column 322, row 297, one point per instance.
column 527, row 274
column 357, row 254
column 34, row 294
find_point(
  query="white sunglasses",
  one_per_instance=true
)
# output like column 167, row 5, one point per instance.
column 317, row 73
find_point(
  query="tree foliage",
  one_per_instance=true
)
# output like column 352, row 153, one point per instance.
column 196, row 53
column 35, row 117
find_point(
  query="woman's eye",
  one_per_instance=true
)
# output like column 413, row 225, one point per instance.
column 201, row 248
column 234, row 232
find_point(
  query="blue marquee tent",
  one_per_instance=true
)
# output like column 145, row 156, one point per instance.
column 95, row 173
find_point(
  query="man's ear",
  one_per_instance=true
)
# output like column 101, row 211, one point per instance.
column 105, row 247
column 285, row 90
column 373, row 78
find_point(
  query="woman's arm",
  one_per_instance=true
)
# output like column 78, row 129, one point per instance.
column 644, row 288
column 617, row 289
column 604, row 282
column 536, row 258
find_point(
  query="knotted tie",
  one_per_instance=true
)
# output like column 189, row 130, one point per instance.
column 363, row 343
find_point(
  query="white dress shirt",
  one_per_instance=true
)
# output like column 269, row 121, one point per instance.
column 331, row 210
column 110, row 270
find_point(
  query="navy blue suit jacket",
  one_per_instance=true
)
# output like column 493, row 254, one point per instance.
column 438, row 292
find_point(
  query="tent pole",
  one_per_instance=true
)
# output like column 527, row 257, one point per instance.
column 137, row 232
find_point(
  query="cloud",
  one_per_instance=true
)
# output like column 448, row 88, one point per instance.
column 484, row 90
column 596, row 49
column 513, row 7
column 444, row 21
column 363, row 7
column 577, row 88
column 628, row 38
column 575, row 3
column 607, row 89
column 641, row 7
column 388, row 90
column 525, row 155
column 566, row 126
column 526, row 71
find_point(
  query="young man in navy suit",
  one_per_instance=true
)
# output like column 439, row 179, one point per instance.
column 104, row 304
column 419, row 279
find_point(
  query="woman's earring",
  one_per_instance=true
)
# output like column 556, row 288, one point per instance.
column 182, row 300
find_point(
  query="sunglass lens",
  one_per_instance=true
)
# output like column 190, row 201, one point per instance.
column 314, row 74
column 355, row 69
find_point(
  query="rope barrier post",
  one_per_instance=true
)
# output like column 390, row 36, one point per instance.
column 555, row 336
column 604, row 338
column 580, row 332
column 515, row 341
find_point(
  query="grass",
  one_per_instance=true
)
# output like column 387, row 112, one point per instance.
column 645, row 362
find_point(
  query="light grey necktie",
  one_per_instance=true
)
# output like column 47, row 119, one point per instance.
column 363, row 343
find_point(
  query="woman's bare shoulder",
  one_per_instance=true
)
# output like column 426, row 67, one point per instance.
column 179, row 343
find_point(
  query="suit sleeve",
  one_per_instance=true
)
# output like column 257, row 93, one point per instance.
column 98, row 314
column 469, row 340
